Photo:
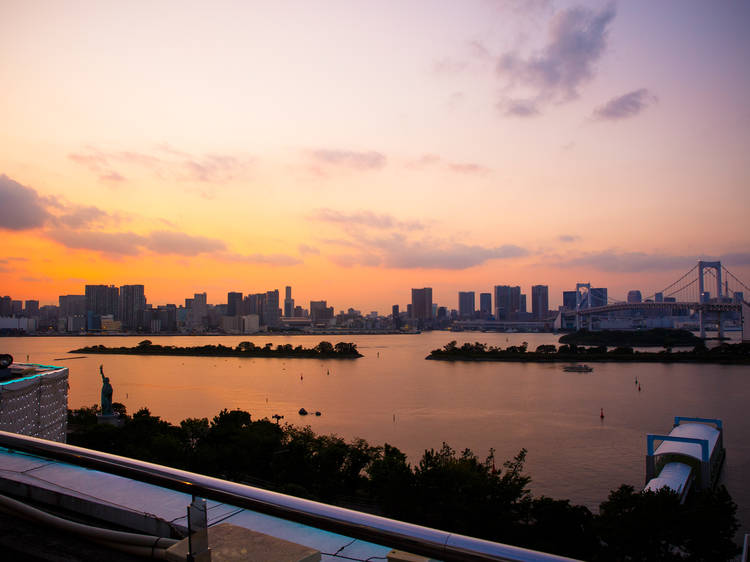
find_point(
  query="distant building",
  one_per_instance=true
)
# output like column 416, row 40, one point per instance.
column 485, row 305
column 31, row 308
column 540, row 301
column 234, row 304
column 131, row 306
column 599, row 296
column 634, row 296
column 288, row 303
column 522, row 304
column 320, row 311
column 421, row 303
column 466, row 304
column 6, row 306
column 102, row 299
column 658, row 297
column 270, row 311
column 507, row 302
column 72, row 305
column 569, row 300
column 396, row 317
column 16, row 307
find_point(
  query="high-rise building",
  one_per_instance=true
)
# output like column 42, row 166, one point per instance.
column 271, row 313
column 320, row 311
column 396, row 316
column 569, row 300
column 540, row 301
column 522, row 304
column 466, row 304
column 102, row 300
column 132, row 305
column 234, row 304
column 421, row 303
column 31, row 308
column 288, row 303
column 485, row 305
column 6, row 306
column 634, row 296
column 507, row 302
column 598, row 296
column 72, row 305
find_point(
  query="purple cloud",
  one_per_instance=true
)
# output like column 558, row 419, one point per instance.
column 22, row 208
column 577, row 40
column 625, row 106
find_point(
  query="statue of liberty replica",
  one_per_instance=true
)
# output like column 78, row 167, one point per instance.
column 106, row 394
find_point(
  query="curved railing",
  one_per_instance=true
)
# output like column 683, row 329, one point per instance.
column 372, row 528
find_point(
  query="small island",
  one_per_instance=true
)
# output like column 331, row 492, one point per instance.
column 738, row 353
column 657, row 337
column 324, row 350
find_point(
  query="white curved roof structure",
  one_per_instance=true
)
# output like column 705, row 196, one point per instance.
column 694, row 431
column 674, row 476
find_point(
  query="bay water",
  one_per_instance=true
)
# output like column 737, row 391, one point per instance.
column 394, row 395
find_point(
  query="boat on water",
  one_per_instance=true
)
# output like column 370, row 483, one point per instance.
column 577, row 369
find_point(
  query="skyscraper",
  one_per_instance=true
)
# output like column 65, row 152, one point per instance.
column 132, row 305
column 634, row 296
column 102, row 300
column 421, row 303
column 540, row 301
column 288, row 303
column 507, row 302
column 271, row 313
column 320, row 311
column 396, row 315
column 598, row 296
column 466, row 304
column 234, row 304
column 569, row 300
column 485, row 305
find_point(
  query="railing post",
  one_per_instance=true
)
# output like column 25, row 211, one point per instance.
column 198, row 550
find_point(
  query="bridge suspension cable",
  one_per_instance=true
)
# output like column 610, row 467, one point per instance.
column 666, row 289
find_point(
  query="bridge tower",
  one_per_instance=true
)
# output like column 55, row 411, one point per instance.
column 702, row 266
column 580, row 301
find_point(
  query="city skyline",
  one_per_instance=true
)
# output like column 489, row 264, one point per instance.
column 365, row 149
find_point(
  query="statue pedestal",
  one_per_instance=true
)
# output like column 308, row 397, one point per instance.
column 111, row 419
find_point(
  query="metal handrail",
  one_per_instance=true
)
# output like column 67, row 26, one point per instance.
column 380, row 530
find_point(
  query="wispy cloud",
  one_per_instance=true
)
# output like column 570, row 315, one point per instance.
column 355, row 160
column 568, row 238
column 163, row 161
column 577, row 39
column 614, row 261
column 304, row 250
column 382, row 241
column 364, row 218
column 433, row 160
column 280, row 260
column 625, row 106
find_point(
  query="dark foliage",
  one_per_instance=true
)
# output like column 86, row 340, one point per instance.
column 452, row 491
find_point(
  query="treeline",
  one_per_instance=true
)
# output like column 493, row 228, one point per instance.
column 738, row 353
column 656, row 337
column 446, row 489
column 325, row 350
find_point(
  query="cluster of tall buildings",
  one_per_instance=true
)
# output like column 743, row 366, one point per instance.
column 108, row 308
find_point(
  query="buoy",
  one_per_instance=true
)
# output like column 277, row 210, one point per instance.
column 601, row 413
column 639, row 388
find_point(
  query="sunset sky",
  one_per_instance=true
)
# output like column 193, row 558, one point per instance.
column 354, row 150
